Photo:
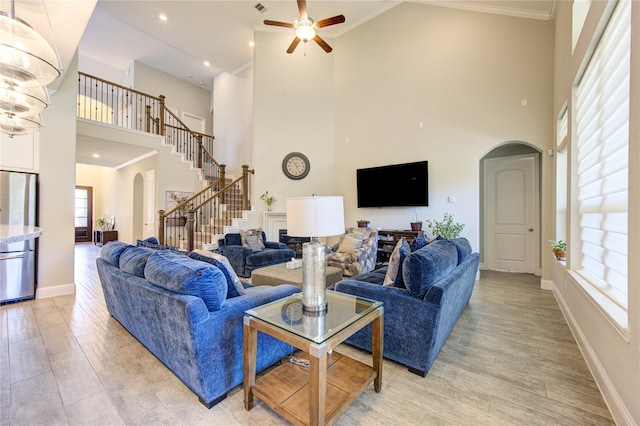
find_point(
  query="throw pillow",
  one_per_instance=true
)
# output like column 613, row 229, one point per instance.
column 111, row 252
column 134, row 259
column 418, row 243
column 184, row 275
column 254, row 243
column 394, row 271
column 235, row 286
column 245, row 233
column 350, row 243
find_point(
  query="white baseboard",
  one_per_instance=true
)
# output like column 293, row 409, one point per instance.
column 56, row 290
column 619, row 410
column 546, row 284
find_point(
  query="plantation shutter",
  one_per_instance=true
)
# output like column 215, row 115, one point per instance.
column 602, row 119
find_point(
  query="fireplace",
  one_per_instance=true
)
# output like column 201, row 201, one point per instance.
column 293, row 243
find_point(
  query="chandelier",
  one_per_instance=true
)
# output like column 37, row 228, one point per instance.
column 27, row 65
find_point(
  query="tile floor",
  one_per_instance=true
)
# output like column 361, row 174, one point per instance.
column 510, row 360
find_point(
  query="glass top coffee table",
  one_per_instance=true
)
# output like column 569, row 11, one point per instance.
column 320, row 393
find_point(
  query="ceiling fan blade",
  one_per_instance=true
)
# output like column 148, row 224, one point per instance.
column 302, row 8
column 322, row 43
column 330, row 21
column 293, row 45
column 278, row 23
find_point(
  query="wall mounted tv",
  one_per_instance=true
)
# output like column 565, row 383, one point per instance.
column 398, row 185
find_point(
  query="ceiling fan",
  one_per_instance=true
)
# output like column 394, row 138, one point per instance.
column 306, row 27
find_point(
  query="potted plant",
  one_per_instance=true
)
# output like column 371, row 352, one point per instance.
column 102, row 223
column 559, row 249
column 415, row 225
column 180, row 219
column 446, row 228
column 363, row 223
column 269, row 199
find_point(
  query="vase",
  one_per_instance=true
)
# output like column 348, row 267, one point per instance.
column 177, row 221
column 416, row 226
column 268, row 207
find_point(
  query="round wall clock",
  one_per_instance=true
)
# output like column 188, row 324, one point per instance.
column 296, row 166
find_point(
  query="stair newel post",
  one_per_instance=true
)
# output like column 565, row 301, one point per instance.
column 191, row 219
column 199, row 140
column 161, row 118
column 246, row 205
column 148, row 118
column 161, row 227
column 222, row 181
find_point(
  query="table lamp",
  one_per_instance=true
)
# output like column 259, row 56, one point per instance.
column 314, row 217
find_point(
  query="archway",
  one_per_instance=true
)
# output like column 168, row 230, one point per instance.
column 510, row 208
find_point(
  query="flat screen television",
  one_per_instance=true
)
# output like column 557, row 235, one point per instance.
column 397, row 185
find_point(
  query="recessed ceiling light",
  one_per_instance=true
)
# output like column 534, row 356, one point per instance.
column 252, row 43
column 163, row 17
column 206, row 63
column 96, row 155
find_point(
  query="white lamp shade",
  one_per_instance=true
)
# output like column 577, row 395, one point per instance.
column 315, row 216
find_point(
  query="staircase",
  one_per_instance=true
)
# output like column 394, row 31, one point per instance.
column 220, row 207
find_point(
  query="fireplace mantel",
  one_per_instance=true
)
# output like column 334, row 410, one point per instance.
column 274, row 222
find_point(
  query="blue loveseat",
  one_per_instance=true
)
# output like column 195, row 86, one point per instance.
column 421, row 310
column 184, row 312
column 245, row 260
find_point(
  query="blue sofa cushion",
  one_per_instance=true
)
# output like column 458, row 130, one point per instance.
column 418, row 243
column 184, row 275
column 463, row 247
column 426, row 266
column 111, row 252
column 268, row 257
column 234, row 286
column 394, row 271
column 134, row 259
column 149, row 243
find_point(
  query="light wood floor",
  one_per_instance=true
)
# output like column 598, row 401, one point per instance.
column 511, row 359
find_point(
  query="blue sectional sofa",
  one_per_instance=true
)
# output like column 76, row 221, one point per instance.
column 184, row 311
column 422, row 307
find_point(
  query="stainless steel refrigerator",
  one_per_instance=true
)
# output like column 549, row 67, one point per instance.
column 19, row 206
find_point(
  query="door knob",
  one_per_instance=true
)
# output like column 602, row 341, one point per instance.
column 530, row 229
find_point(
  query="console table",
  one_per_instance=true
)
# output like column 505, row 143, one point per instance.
column 101, row 237
column 387, row 240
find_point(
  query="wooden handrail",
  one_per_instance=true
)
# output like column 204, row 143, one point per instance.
column 119, row 86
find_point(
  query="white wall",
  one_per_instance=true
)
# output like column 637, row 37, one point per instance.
column 294, row 110
column 57, row 190
column 179, row 94
column 612, row 353
column 233, row 118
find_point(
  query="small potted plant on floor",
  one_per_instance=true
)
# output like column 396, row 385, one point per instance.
column 559, row 249
column 363, row 223
column 446, row 228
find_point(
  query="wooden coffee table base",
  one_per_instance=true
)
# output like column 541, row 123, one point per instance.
column 286, row 388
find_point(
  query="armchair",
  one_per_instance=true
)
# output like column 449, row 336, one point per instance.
column 245, row 260
column 359, row 260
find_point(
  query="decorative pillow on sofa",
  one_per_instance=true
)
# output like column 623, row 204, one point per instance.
column 394, row 271
column 111, row 252
column 426, row 266
column 350, row 242
column 246, row 233
column 152, row 242
column 134, row 259
column 234, row 286
column 179, row 273
column 464, row 248
column 253, row 242
column 418, row 243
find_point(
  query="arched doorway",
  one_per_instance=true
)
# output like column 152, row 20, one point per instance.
column 138, row 207
column 510, row 208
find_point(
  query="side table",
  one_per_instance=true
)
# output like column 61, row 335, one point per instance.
column 333, row 380
column 101, row 237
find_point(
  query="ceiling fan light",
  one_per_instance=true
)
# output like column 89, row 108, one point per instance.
column 13, row 125
column 305, row 29
column 22, row 101
column 26, row 59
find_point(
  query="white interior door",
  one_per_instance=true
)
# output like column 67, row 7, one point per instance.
column 193, row 122
column 511, row 213
column 150, row 203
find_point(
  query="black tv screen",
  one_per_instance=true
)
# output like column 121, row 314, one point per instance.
column 398, row 185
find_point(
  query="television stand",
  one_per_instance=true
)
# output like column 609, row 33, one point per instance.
column 387, row 240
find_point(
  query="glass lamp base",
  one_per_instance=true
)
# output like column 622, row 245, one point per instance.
column 313, row 277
